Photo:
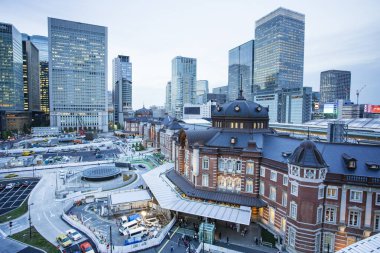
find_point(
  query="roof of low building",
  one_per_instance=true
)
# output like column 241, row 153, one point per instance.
column 222, row 197
column 130, row 196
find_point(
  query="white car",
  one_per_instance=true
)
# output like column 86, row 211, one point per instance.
column 73, row 234
column 10, row 186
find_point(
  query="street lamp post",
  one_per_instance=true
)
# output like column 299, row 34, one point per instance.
column 30, row 222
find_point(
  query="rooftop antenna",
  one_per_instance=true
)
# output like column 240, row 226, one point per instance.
column 241, row 87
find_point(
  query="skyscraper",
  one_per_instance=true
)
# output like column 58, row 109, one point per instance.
column 41, row 42
column 168, row 100
column 11, row 78
column 78, row 74
column 31, row 75
column 184, row 83
column 122, row 87
column 202, row 87
column 241, row 65
column 279, row 51
column 335, row 84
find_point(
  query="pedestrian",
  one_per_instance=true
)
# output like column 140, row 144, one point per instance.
column 179, row 240
column 171, row 248
column 220, row 236
column 228, row 240
column 169, row 235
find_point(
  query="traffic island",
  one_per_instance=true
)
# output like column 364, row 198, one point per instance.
column 36, row 240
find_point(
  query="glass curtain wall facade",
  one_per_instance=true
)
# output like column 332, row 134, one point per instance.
column 122, row 87
column 31, row 76
column 168, row 100
column 334, row 85
column 202, row 87
column 184, row 84
column 41, row 42
column 279, row 51
column 11, row 78
column 241, row 65
column 78, row 74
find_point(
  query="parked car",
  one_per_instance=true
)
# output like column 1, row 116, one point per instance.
column 64, row 241
column 25, row 184
column 86, row 248
column 73, row 234
column 17, row 185
column 142, row 166
column 10, row 186
column 2, row 186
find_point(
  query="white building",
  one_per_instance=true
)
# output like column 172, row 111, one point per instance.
column 78, row 75
column 194, row 111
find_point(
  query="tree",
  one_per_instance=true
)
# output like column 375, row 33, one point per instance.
column 25, row 129
column 71, row 129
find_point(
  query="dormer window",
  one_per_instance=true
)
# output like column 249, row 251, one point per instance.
column 349, row 161
column 233, row 140
column 352, row 164
column 373, row 165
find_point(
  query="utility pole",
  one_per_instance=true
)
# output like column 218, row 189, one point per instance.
column 111, row 238
column 30, row 222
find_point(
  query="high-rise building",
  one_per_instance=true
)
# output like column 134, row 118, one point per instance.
column 184, row 84
column 279, row 51
column 221, row 90
column 122, row 87
column 335, row 84
column 78, row 74
column 241, row 66
column 31, row 75
column 202, row 87
column 42, row 44
column 168, row 100
column 11, row 78
column 288, row 105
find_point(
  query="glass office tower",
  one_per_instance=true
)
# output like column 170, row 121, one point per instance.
column 78, row 74
column 184, row 84
column 31, row 76
column 335, row 84
column 279, row 51
column 122, row 87
column 202, row 87
column 240, row 66
column 11, row 78
column 168, row 98
column 42, row 43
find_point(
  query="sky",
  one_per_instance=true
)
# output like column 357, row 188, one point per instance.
column 340, row 34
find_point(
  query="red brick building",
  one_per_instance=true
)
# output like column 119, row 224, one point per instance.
column 313, row 196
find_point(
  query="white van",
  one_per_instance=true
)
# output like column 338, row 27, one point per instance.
column 123, row 219
column 128, row 226
column 137, row 232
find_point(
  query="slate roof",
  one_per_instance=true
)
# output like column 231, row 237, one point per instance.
column 167, row 120
column 201, row 137
column 174, row 125
column 247, row 109
column 307, row 155
column 273, row 146
column 223, row 197
column 223, row 138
